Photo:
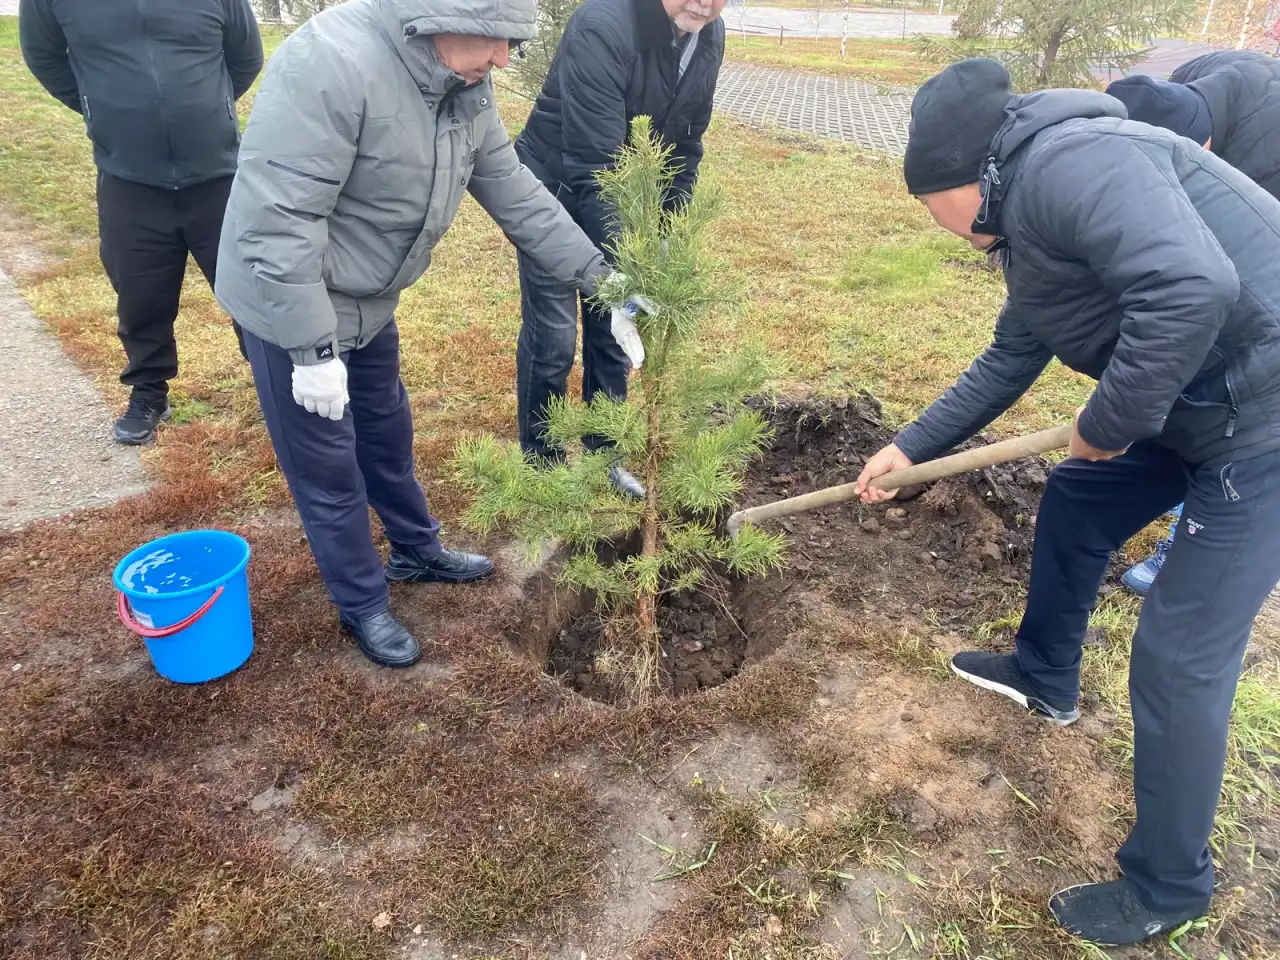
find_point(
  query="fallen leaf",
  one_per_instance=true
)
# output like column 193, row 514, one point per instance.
column 382, row 921
column 773, row 927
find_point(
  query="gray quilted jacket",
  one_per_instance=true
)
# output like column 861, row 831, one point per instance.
column 354, row 163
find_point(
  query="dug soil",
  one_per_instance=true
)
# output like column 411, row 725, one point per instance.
column 933, row 546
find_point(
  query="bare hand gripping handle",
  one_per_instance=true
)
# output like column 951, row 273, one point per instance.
column 1029, row 446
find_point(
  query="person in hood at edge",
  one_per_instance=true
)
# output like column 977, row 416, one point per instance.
column 373, row 119
column 1229, row 102
column 1149, row 264
column 616, row 60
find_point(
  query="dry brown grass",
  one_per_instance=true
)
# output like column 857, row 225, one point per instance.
column 441, row 796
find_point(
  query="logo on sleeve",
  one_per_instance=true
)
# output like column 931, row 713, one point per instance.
column 1193, row 527
column 325, row 352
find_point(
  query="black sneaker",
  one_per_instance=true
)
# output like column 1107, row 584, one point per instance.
column 138, row 424
column 1111, row 915
column 1001, row 674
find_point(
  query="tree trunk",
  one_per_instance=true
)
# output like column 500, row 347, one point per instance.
column 647, row 602
column 1208, row 16
column 1244, row 26
column 1050, row 56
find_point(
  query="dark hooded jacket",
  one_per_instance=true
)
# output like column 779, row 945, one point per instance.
column 617, row 61
column 1242, row 89
column 155, row 80
column 1138, row 259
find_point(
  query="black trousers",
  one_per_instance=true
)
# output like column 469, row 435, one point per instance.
column 1190, row 641
column 145, row 234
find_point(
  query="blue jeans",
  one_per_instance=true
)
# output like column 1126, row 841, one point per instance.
column 544, row 355
column 1190, row 641
column 337, row 469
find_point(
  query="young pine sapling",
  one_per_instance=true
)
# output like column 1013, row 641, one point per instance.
column 685, row 431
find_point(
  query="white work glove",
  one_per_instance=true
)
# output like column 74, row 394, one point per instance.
column 624, row 330
column 322, row 388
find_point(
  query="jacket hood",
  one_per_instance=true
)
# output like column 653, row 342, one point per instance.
column 1028, row 115
column 410, row 25
column 1025, row 117
column 501, row 19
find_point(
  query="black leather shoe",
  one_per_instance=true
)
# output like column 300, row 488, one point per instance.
column 383, row 639
column 138, row 424
column 625, row 482
column 407, row 565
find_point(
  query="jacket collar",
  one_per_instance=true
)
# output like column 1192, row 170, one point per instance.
column 653, row 26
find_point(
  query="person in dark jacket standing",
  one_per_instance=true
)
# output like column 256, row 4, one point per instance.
column 1242, row 126
column 1125, row 249
column 156, row 83
column 617, row 59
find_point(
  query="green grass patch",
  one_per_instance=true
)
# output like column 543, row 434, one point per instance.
column 888, row 62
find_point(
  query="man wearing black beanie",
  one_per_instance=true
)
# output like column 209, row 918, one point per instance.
column 1125, row 249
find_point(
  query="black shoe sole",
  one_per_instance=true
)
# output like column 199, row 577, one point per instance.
column 425, row 576
column 380, row 661
column 1038, row 707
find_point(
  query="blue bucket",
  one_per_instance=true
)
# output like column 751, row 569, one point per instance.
column 187, row 596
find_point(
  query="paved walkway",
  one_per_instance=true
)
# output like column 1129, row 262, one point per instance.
column 874, row 118
column 55, row 429
column 870, row 116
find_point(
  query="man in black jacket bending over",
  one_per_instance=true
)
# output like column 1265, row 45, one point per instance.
column 617, row 59
column 1148, row 263
column 156, row 83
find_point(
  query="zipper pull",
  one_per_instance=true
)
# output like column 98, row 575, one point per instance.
column 1231, row 424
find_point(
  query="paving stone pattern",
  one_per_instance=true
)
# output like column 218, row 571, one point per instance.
column 872, row 117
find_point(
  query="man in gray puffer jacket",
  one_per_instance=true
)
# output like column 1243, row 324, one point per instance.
column 1142, row 260
column 374, row 118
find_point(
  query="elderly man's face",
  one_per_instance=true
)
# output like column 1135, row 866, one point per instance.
column 691, row 16
column 469, row 57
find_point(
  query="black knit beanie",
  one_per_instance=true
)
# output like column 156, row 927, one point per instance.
column 954, row 118
column 1170, row 105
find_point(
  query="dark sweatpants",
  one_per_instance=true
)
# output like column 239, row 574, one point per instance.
column 337, row 469
column 1190, row 640
column 145, row 234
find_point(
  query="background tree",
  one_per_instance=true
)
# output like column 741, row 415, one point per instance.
column 685, row 431
column 531, row 65
column 1058, row 43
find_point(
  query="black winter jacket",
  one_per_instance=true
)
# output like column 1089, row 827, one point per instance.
column 1242, row 89
column 1138, row 259
column 156, row 80
column 616, row 61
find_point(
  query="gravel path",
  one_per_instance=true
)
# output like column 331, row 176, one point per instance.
column 56, row 452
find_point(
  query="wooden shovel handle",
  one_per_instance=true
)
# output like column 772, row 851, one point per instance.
column 976, row 459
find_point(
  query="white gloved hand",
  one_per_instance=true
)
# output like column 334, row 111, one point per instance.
column 322, row 388
column 624, row 330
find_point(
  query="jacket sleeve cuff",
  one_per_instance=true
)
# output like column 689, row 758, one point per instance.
column 1095, row 436
column 914, row 444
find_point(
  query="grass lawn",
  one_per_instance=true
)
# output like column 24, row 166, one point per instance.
column 890, row 62
column 311, row 807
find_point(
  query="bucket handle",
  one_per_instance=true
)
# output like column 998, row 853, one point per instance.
column 159, row 633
